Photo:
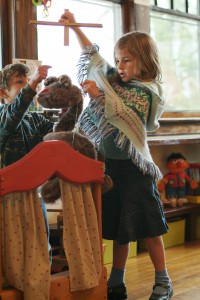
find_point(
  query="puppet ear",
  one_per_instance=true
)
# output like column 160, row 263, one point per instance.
column 50, row 80
column 65, row 81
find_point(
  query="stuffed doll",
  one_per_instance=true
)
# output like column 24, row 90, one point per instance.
column 174, row 182
column 61, row 93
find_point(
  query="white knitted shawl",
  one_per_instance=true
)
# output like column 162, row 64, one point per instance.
column 99, row 118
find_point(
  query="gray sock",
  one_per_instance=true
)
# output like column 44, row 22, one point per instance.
column 162, row 277
column 116, row 277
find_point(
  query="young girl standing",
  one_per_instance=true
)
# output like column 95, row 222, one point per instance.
column 125, row 103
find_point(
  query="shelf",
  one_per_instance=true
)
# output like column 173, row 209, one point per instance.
column 176, row 139
column 180, row 211
column 180, row 120
column 190, row 213
column 175, row 131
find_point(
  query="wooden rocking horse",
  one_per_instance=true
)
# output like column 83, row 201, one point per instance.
column 24, row 258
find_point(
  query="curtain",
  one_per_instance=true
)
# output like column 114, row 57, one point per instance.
column 26, row 264
column 81, row 236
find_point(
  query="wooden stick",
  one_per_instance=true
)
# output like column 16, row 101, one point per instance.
column 66, row 31
column 66, row 24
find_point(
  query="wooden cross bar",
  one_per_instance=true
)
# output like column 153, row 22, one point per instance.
column 66, row 25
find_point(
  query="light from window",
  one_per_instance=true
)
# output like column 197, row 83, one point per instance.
column 63, row 59
column 180, row 5
column 178, row 40
column 194, row 7
column 1, row 54
column 163, row 4
column 185, row 6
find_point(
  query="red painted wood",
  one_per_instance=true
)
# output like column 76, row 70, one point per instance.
column 45, row 160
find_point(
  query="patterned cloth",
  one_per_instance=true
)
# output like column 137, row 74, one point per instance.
column 81, row 236
column 132, row 108
column 25, row 253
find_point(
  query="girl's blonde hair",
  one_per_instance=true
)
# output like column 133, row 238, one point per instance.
column 143, row 48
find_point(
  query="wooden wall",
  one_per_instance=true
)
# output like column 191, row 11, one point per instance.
column 18, row 36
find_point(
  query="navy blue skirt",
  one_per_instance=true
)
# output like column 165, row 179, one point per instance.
column 132, row 209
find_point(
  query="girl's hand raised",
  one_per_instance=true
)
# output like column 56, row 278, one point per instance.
column 68, row 16
column 90, row 87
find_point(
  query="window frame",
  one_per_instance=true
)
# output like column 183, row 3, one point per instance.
column 12, row 26
column 5, row 43
column 190, row 115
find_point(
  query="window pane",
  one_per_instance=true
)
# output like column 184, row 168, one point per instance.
column 1, row 54
column 193, row 7
column 180, row 5
column 178, row 42
column 63, row 59
column 164, row 4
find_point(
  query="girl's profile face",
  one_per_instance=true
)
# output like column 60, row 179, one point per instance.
column 126, row 65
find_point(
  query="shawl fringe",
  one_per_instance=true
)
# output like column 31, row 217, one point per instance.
column 104, row 129
column 145, row 166
column 84, row 61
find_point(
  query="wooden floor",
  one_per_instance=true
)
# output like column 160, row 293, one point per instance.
column 183, row 264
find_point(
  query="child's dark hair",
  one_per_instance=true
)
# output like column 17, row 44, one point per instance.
column 143, row 48
column 175, row 155
column 9, row 70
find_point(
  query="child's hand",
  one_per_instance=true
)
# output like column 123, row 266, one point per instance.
column 91, row 88
column 40, row 73
column 81, row 37
column 67, row 16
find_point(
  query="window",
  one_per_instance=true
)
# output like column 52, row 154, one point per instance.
column 51, row 49
column 1, row 54
column 176, row 30
column 1, row 36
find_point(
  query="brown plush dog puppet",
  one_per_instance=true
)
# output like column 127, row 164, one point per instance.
column 61, row 93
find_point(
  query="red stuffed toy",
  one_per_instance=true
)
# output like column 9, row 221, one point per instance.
column 174, row 182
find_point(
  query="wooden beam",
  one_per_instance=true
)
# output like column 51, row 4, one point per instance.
column 66, row 24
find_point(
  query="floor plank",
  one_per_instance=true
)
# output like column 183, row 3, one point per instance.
column 183, row 264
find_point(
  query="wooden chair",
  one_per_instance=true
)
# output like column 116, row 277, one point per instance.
column 22, row 217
